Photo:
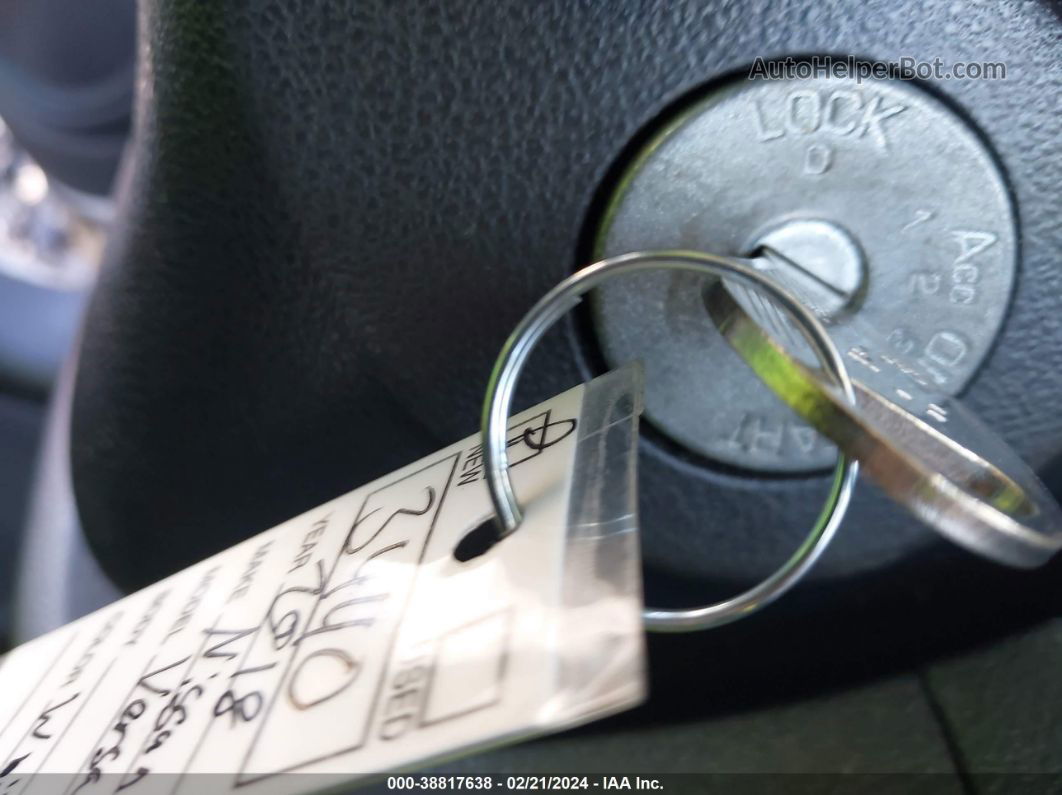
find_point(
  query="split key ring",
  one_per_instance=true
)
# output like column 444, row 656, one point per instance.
column 565, row 296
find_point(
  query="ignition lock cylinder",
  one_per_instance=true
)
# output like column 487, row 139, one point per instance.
column 883, row 204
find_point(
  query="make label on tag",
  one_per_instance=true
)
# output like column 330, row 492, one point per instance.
column 351, row 640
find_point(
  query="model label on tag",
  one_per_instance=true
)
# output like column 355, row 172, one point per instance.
column 349, row 640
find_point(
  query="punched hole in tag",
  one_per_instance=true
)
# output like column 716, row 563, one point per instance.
column 478, row 541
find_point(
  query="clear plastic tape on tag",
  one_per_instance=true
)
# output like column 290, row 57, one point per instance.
column 351, row 640
column 602, row 568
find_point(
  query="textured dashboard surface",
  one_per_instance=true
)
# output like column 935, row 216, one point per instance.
column 21, row 423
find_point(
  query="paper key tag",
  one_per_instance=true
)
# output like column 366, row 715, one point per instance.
column 350, row 640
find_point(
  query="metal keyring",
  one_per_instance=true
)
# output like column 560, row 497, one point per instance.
column 564, row 297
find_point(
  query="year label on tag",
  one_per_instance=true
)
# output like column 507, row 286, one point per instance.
column 375, row 632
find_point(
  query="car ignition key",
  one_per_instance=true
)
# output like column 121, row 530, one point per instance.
column 925, row 450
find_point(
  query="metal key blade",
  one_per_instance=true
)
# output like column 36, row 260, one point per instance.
column 926, row 451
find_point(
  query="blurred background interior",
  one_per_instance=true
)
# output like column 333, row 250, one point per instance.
column 66, row 91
